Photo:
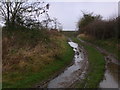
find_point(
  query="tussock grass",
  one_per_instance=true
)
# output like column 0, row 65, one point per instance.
column 28, row 63
column 28, row 79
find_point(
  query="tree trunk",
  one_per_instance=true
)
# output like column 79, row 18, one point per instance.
column 8, row 14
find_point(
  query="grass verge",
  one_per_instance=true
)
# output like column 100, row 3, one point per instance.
column 96, row 67
column 29, row 79
column 111, row 45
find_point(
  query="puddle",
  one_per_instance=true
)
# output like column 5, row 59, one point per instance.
column 111, row 79
column 111, row 76
column 70, row 75
column 81, row 40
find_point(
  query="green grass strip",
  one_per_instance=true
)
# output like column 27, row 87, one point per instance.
column 96, row 67
column 109, row 45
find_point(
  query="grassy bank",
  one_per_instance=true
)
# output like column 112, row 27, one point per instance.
column 28, row 63
column 112, row 45
column 96, row 67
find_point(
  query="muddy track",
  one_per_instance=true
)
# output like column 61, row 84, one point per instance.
column 61, row 79
column 111, row 76
column 68, row 76
column 44, row 83
column 108, row 56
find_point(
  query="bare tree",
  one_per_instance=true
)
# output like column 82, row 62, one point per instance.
column 20, row 12
column 57, row 24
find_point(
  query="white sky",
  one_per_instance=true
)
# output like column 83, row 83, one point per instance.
column 68, row 12
column 80, row 0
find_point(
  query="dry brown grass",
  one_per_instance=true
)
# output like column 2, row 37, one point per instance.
column 85, row 36
column 25, row 59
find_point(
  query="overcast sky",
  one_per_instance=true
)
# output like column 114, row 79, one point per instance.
column 68, row 13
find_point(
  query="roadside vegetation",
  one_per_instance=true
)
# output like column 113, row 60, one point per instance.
column 30, row 61
column 111, row 45
column 96, row 67
column 95, row 26
column 32, row 51
column 104, row 33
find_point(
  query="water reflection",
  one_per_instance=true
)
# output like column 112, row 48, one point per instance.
column 111, row 76
column 70, row 75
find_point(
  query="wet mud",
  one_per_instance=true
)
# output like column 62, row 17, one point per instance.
column 72, row 73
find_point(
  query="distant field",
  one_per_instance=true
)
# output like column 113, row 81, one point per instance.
column 69, row 33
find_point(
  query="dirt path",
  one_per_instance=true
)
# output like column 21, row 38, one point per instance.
column 73, row 72
column 77, row 70
column 111, row 75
